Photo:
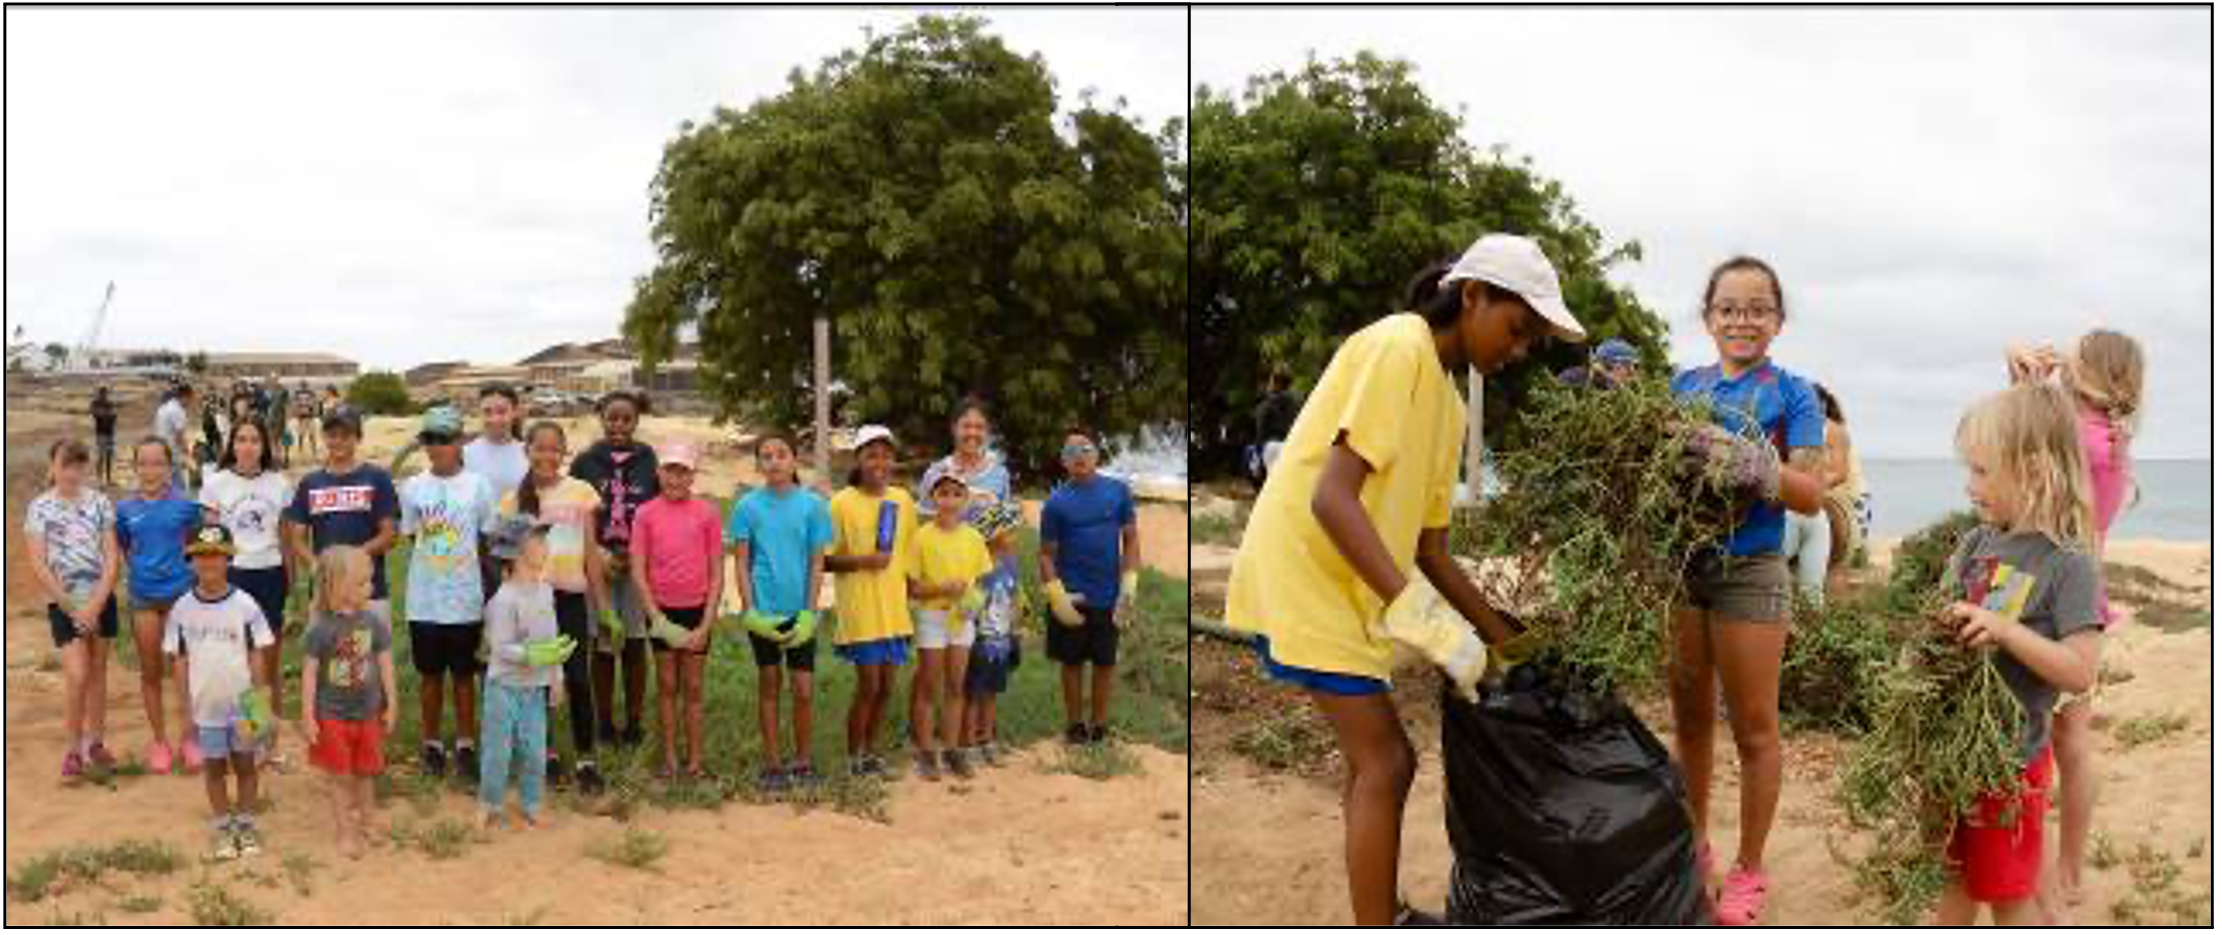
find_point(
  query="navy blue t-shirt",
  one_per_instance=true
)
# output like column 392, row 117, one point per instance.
column 344, row 509
column 1085, row 520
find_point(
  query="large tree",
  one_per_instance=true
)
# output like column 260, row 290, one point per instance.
column 923, row 193
column 1318, row 195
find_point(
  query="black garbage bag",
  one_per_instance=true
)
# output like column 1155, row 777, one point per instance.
column 1563, row 809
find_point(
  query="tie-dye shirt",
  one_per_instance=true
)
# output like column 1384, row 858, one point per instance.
column 445, row 515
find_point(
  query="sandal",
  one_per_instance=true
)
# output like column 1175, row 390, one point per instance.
column 1743, row 897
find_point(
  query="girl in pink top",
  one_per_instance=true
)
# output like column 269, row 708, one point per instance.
column 676, row 562
column 2106, row 373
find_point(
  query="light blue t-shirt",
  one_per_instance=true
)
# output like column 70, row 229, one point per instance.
column 1766, row 404
column 782, row 531
column 152, row 534
column 446, row 515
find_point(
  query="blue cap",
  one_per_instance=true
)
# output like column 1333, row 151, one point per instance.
column 1615, row 351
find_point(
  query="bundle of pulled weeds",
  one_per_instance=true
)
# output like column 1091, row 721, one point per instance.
column 1598, row 518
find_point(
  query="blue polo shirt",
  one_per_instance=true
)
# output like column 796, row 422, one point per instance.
column 1766, row 403
column 1086, row 521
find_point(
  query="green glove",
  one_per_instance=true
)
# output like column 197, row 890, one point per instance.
column 763, row 625
column 806, row 624
column 261, row 717
column 670, row 633
column 614, row 626
column 554, row 651
column 972, row 600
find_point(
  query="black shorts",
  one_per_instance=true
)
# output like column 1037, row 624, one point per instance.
column 445, row 648
column 689, row 617
column 65, row 629
column 267, row 586
column 1095, row 640
column 802, row 658
column 984, row 676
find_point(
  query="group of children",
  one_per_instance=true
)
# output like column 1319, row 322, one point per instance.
column 520, row 572
column 1361, row 497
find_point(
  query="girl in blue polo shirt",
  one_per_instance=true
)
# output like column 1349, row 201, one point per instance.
column 1741, row 593
column 151, row 528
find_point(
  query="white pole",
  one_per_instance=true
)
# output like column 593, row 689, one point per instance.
column 822, row 339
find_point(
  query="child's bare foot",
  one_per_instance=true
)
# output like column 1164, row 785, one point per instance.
column 351, row 846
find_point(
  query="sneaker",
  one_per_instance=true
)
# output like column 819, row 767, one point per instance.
column 1743, row 897
column 859, row 768
column 193, row 757
column 250, row 840
column 988, row 755
column 225, row 846
column 73, row 766
column 1076, row 734
column 466, row 762
column 434, row 760
column 957, row 763
column 1098, row 734
column 772, row 781
column 158, row 757
column 559, row 772
column 929, row 766
column 101, row 758
column 590, row 778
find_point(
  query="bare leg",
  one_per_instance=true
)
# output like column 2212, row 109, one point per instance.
column 250, row 782
column 212, row 782
column 954, row 711
column 925, row 688
column 96, row 688
column 146, row 634
column 1069, row 680
column 1749, row 655
column 431, row 698
column 802, row 713
column 344, row 817
column 860, row 708
column 1691, row 691
column 667, row 704
column 76, row 675
column 1956, row 909
column 1102, row 699
column 1381, row 767
column 690, row 678
column 2074, row 745
column 767, row 713
column 465, row 686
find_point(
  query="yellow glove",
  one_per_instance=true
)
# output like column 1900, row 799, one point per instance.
column 1061, row 606
column 1421, row 619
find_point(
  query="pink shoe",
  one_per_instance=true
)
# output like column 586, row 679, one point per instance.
column 73, row 766
column 158, row 758
column 193, row 756
column 1743, row 897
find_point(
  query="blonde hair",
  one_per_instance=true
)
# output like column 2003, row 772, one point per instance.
column 2029, row 432
column 337, row 569
column 2107, row 371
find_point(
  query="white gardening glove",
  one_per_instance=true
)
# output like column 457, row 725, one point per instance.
column 1422, row 619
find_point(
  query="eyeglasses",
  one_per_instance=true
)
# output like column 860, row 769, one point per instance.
column 1745, row 314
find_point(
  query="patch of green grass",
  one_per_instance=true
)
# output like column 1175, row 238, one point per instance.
column 59, row 871
column 76, row 920
column 213, row 906
column 1220, row 529
column 139, row 904
column 636, row 848
column 1291, row 740
column 439, row 839
column 2154, row 895
column 1098, row 761
column 855, row 796
column 2158, row 601
column 2147, row 728
column 2105, row 855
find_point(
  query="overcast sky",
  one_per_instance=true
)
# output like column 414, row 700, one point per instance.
column 407, row 185
column 1931, row 184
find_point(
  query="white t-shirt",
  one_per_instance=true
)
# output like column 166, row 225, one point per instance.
column 170, row 421
column 504, row 466
column 250, row 508
column 215, row 636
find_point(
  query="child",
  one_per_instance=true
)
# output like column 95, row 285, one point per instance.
column 345, row 502
column 622, row 472
column 348, row 701
column 1089, row 535
column 70, row 531
column 216, row 626
column 676, row 562
column 445, row 509
column 526, row 652
column 1358, row 500
column 1767, row 434
column 874, row 525
column 996, row 652
column 951, row 557
column 247, row 497
column 566, row 506
column 2106, row 375
column 151, row 529
column 778, row 535
column 2030, row 587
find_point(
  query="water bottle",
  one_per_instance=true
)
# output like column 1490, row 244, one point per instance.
column 888, row 513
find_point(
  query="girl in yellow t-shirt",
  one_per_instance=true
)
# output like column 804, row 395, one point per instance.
column 1360, row 495
column 874, row 527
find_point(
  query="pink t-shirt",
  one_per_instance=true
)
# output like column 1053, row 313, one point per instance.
column 2109, row 485
column 675, row 542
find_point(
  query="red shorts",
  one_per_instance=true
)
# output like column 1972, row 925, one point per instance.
column 349, row 748
column 2000, row 864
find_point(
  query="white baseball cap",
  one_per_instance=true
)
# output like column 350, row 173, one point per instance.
column 872, row 433
column 1516, row 263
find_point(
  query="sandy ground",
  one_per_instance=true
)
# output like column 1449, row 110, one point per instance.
column 1268, row 845
column 1049, row 849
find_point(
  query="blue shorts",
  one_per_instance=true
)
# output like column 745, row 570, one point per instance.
column 219, row 742
column 1333, row 683
column 892, row 651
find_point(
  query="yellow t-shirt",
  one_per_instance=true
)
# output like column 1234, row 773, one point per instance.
column 568, row 510
column 873, row 605
column 1387, row 395
column 949, row 555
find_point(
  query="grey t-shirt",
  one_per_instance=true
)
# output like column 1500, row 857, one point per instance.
column 519, row 614
column 345, row 648
column 2051, row 590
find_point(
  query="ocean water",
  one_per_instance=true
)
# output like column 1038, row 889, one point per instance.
column 2174, row 499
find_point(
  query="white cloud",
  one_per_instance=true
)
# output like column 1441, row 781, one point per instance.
column 1932, row 184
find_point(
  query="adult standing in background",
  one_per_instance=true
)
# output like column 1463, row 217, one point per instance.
column 104, row 434
column 172, row 423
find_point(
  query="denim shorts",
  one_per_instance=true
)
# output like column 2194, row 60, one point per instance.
column 219, row 742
